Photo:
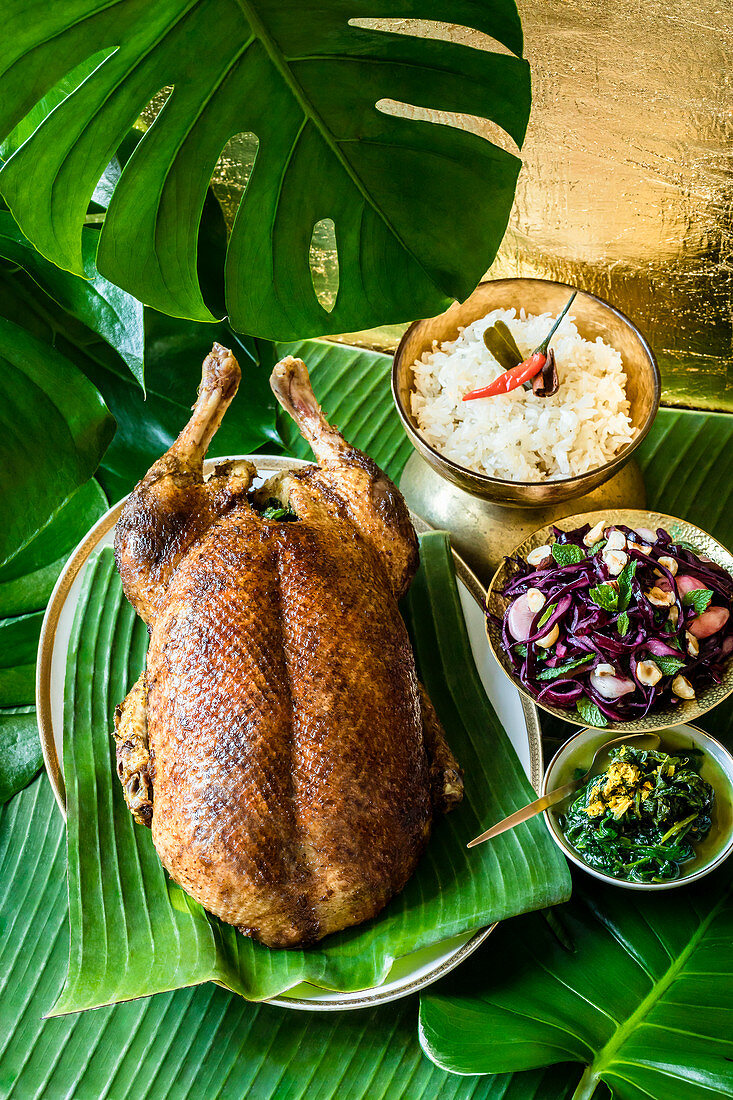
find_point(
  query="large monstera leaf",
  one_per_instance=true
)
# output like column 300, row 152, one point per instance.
column 638, row 990
column 419, row 208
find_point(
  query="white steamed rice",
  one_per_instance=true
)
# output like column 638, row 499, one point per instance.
column 517, row 436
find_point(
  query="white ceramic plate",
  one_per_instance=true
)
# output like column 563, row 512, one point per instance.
column 517, row 715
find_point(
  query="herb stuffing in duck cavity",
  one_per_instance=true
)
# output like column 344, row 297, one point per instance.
column 642, row 818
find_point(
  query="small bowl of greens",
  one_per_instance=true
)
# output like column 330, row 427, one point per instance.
column 620, row 619
column 652, row 816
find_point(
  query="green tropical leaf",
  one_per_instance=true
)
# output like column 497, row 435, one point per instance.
column 353, row 386
column 54, row 428
column 173, row 351
column 146, row 426
column 20, row 750
column 102, row 307
column 18, row 646
column 199, row 1042
column 46, row 104
column 419, row 208
column 687, row 463
column 119, row 892
column 28, row 577
column 641, row 1000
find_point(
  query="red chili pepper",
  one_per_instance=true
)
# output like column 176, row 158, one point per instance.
column 525, row 370
column 510, row 379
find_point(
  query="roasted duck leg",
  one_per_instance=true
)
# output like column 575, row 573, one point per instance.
column 275, row 742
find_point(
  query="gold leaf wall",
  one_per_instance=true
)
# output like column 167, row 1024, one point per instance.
column 628, row 174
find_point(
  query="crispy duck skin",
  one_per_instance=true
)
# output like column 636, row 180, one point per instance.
column 275, row 742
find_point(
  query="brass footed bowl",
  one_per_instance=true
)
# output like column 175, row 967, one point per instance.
column 679, row 529
column 593, row 317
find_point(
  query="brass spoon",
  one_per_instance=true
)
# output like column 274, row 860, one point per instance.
column 558, row 794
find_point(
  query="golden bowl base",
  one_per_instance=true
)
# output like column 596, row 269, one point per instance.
column 483, row 532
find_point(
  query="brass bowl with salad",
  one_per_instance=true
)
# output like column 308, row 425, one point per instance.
column 618, row 619
column 653, row 816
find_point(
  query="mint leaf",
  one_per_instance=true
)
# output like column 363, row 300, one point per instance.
column 590, row 713
column 598, row 547
column 567, row 553
column 699, row 598
column 687, row 546
column 546, row 614
column 623, row 624
column 605, row 596
column 625, row 578
column 521, row 650
column 560, row 670
column 668, row 666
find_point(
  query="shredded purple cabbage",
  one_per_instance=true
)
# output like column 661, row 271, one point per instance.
column 606, row 618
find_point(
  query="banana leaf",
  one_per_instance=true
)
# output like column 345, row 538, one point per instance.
column 192, row 1043
column 125, row 912
column 643, row 999
column 53, row 430
column 419, row 206
column 18, row 644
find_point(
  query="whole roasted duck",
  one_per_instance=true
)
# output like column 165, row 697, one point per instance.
column 278, row 742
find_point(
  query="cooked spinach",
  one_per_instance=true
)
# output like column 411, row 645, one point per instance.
column 641, row 819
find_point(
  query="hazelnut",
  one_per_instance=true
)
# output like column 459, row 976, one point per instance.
column 660, row 598
column 648, row 673
column 549, row 639
column 539, row 555
column 595, row 534
column 682, row 688
column 616, row 541
column 670, row 564
column 535, row 600
column 615, row 560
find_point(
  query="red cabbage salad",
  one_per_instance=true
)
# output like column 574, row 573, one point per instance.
column 610, row 622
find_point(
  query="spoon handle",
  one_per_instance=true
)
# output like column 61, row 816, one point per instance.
column 525, row 813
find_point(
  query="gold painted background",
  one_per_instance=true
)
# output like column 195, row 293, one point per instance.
column 628, row 173
column 627, row 178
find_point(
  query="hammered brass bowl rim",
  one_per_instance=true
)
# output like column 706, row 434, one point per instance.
column 699, row 735
column 607, row 469
column 686, row 711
